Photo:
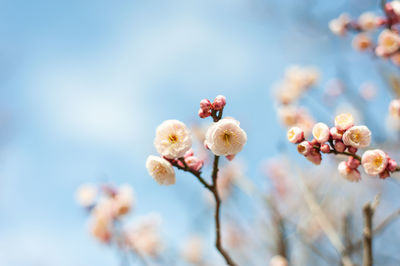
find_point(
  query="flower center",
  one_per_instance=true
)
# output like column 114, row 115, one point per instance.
column 172, row 138
column 160, row 170
column 301, row 148
column 378, row 161
column 290, row 134
column 355, row 137
column 226, row 138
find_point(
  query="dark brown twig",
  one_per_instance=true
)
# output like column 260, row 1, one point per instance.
column 368, row 212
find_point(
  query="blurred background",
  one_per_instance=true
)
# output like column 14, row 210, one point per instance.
column 84, row 84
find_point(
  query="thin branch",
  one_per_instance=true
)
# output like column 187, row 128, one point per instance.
column 325, row 224
column 368, row 212
column 195, row 173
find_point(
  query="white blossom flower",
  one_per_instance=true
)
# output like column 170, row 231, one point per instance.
column 344, row 121
column 374, row 162
column 396, row 7
column 124, row 199
column 192, row 250
column 361, row 42
column 388, row 42
column 172, row 139
column 225, row 137
column 339, row 25
column 357, row 137
column 161, row 170
column 295, row 135
column 86, row 195
column 368, row 21
column 321, row 132
column 353, row 175
column 394, row 108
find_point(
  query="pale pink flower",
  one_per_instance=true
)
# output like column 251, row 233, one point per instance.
column 361, row 42
column 344, row 121
column 124, row 199
column 100, row 228
column 161, row 170
column 172, row 139
column 350, row 174
column 143, row 236
column 394, row 108
column 225, row 137
column 86, row 195
column 339, row 25
column 388, row 43
column 295, row 135
column 357, row 137
column 192, row 250
column 368, row 21
column 374, row 162
column 321, row 132
column 395, row 5
column 278, row 260
column 304, row 148
column 219, row 102
column 368, row 91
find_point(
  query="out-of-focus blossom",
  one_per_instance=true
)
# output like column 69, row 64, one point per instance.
column 368, row 21
column 395, row 5
column 295, row 116
column 350, row 174
column 225, row 137
column 361, row 42
column 192, row 250
column 161, row 170
column 368, row 91
column 301, row 77
column 227, row 177
column 339, row 25
column 86, row 195
column 295, row 135
column 100, row 228
column 396, row 59
column 374, row 162
column 172, row 139
column 357, row 137
column 278, row 260
column 388, row 43
column 321, row 132
column 124, row 199
column 143, row 235
column 344, row 121
column 394, row 108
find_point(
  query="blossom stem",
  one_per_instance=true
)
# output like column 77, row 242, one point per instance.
column 195, row 173
column 368, row 212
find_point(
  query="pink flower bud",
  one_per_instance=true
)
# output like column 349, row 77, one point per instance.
column 219, row 102
column 339, row 146
column 336, row 134
column 189, row 153
column 385, row 174
column 315, row 158
column 194, row 163
column 392, row 165
column 304, row 148
column 230, row 157
column 314, row 142
column 353, row 163
column 205, row 104
column 353, row 175
column 295, row 135
column 325, row 148
column 203, row 113
column 180, row 163
column 352, row 150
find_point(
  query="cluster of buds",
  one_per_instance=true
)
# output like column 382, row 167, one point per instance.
column 173, row 142
column 344, row 138
column 189, row 160
column 388, row 42
column 106, row 205
column 206, row 107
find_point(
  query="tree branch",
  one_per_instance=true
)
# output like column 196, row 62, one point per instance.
column 368, row 212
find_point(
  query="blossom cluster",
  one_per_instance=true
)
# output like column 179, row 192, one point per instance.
column 107, row 206
column 388, row 43
column 296, row 81
column 173, row 141
column 344, row 138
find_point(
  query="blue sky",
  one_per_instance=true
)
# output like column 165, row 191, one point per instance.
column 85, row 83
